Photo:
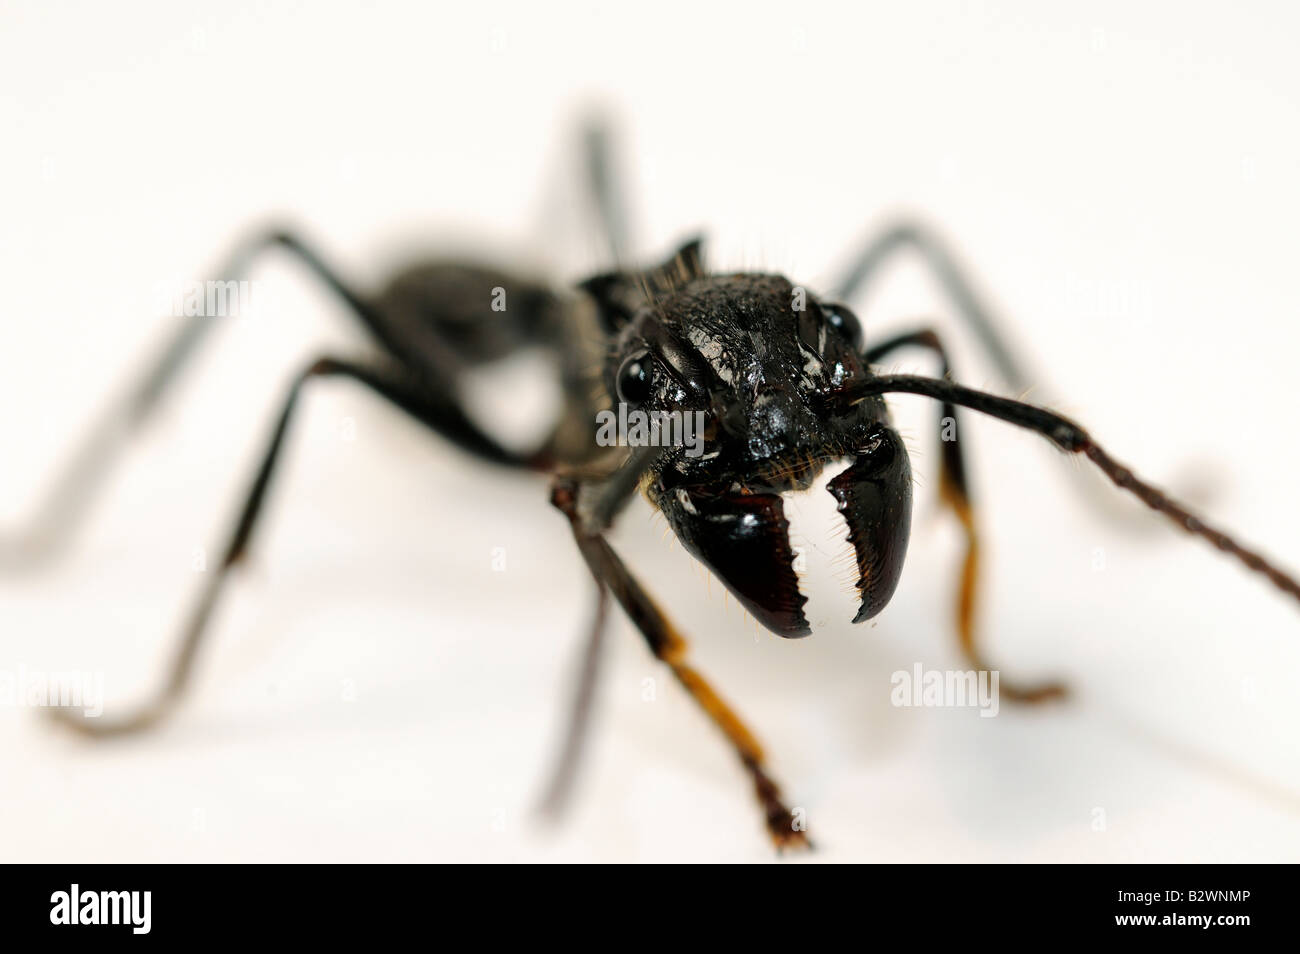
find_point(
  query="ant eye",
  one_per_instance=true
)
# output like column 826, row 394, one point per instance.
column 846, row 323
column 635, row 378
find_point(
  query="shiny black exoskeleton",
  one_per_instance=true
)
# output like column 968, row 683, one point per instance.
column 770, row 367
column 780, row 378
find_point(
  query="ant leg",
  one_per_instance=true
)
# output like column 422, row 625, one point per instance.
column 72, row 492
column 954, row 492
column 670, row 648
column 606, row 187
column 393, row 384
column 1070, row 437
column 970, row 305
column 616, row 490
column 566, row 767
column 907, row 234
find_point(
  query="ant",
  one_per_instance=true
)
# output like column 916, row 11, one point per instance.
column 782, row 379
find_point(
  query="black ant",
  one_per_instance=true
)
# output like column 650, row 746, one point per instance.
column 784, row 383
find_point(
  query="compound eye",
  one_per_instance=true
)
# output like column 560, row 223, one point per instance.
column 846, row 323
column 635, row 379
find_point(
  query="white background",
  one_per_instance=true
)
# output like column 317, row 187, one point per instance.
column 1121, row 177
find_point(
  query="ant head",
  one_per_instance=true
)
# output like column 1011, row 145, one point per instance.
column 749, row 373
column 757, row 360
